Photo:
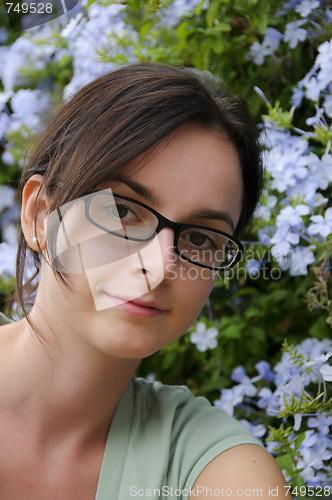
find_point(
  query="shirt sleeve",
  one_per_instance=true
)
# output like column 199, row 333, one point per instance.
column 201, row 432
column 4, row 320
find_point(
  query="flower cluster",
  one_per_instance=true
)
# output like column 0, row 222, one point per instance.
column 300, row 219
column 287, row 391
column 309, row 13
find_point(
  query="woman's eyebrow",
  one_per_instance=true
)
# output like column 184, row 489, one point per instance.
column 143, row 191
column 214, row 215
column 157, row 201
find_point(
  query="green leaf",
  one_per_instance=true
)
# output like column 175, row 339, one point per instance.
column 253, row 312
column 297, row 482
column 145, row 29
column 259, row 333
column 215, row 384
column 133, row 4
column 90, row 2
column 286, row 462
column 224, row 322
column 299, row 440
column 199, row 7
column 320, row 329
column 182, row 31
column 263, row 18
column 232, row 332
column 211, row 14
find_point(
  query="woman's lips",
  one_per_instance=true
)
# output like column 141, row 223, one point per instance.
column 137, row 307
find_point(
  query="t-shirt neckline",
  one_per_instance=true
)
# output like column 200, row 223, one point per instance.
column 117, row 439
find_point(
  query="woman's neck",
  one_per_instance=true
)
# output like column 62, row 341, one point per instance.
column 62, row 387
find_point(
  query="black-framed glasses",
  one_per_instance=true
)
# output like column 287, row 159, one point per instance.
column 133, row 220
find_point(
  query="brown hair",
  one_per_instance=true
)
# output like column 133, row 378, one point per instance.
column 120, row 116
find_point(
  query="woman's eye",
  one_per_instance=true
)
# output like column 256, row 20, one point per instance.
column 197, row 239
column 200, row 239
column 118, row 211
column 121, row 210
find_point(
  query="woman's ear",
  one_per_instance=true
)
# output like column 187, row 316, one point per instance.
column 34, row 212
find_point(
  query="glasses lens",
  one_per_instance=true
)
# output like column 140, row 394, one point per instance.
column 122, row 217
column 207, row 247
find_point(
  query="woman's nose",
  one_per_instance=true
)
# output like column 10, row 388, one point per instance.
column 157, row 258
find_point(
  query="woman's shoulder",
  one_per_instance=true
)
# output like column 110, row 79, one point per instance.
column 242, row 471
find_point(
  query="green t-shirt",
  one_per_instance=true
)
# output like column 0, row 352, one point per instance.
column 3, row 319
column 161, row 439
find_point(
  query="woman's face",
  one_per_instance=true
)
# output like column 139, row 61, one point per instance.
column 131, row 299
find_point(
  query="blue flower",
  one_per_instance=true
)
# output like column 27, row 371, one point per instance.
column 253, row 267
column 295, row 387
column 204, row 338
column 311, row 85
column 4, row 124
column 264, row 211
column 269, row 400
column 7, row 259
column 301, row 258
column 264, row 372
column 319, row 366
column 245, row 385
column 297, row 97
column 321, row 170
column 24, row 53
column 272, row 38
column 230, row 398
column 258, row 430
column 328, row 105
column 258, row 52
column 306, row 7
column 297, row 421
column 265, row 234
column 314, row 450
column 176, row 10
column 322, row 422
column 286, row 159
column 293, row 215
column 3, row 35
column 7, row 197
column 324, row 62
column 28, row 106
column 326, row 372
column 99, row 32
column 294, row 33
column 321, row 225
column 329, row 14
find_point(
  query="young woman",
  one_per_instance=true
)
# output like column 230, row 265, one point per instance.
column 143, row 175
